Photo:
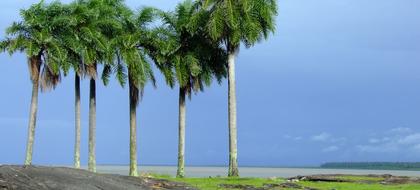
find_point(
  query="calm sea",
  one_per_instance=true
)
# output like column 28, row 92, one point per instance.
column 249, row 171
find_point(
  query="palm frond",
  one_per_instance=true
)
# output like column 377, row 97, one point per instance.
column 106, row 73
column 49, row 79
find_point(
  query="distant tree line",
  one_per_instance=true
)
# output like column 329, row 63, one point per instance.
column 374, row 165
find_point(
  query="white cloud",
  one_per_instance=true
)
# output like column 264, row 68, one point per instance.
column 321, row 137
column 401, row 130
column 395, row 143
column 296, row 138
column 287, row 136
column 374, row 141
column 330, row 149
column 410, row 139
column 378, row 140
column 381, row 148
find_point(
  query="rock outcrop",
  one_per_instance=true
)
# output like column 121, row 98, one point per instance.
column 52, row 178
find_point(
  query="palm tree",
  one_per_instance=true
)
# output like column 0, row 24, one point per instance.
column 133, row 63
column 75, row 48
column 76, row 62
column 67, row 28
column 90, row 24
column 195, row 60
column 80, row 37
column 33, row 36
column 77, row 120
column 232, row 23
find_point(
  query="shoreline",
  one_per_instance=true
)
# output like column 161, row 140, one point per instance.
column 259, row 172
column 200, row 171
column 60, row 178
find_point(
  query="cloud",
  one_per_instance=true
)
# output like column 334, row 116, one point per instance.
column 374, row 141
column 395, row 143
column 296, row 138
column 382, row 148
column 321, row 137
column 410, row 139
column 379, row 140
column 400, row 130
column 340, row 139
column 330, row 149
column 328, row 138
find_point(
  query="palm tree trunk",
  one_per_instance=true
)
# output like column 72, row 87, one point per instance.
column 181, row 133
column 233, row 150
column 32, row 118
column 133, row 98
column 77, row 121
column 92, row 126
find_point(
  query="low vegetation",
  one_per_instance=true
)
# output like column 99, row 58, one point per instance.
column 344, row 182
column 414, row 166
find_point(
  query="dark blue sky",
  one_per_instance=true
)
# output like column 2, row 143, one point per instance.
column 339, row 81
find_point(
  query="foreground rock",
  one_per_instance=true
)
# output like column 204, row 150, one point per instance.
column 393, row 180
column 318, row 178
column 48, row 178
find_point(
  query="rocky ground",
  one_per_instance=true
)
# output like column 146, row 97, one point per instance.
column 385, row 179
column 48, row 178
column 293, row 183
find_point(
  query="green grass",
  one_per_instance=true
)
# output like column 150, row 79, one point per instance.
column 214, row 182
column 361, row 183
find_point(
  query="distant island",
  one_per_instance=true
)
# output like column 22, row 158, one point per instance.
column 414, row 166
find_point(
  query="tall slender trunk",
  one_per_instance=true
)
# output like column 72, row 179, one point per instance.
column 181, row 134
column 32, row 116
column 92, row 126
column 77, row 120
column 233, row 149
column 133, row 98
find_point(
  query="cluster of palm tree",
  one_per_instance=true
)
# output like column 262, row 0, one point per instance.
column 191, row 46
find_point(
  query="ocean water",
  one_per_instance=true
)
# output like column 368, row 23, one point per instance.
column 250, row 171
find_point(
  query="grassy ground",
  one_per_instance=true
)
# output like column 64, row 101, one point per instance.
column 358, row 186
column 360, row 183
